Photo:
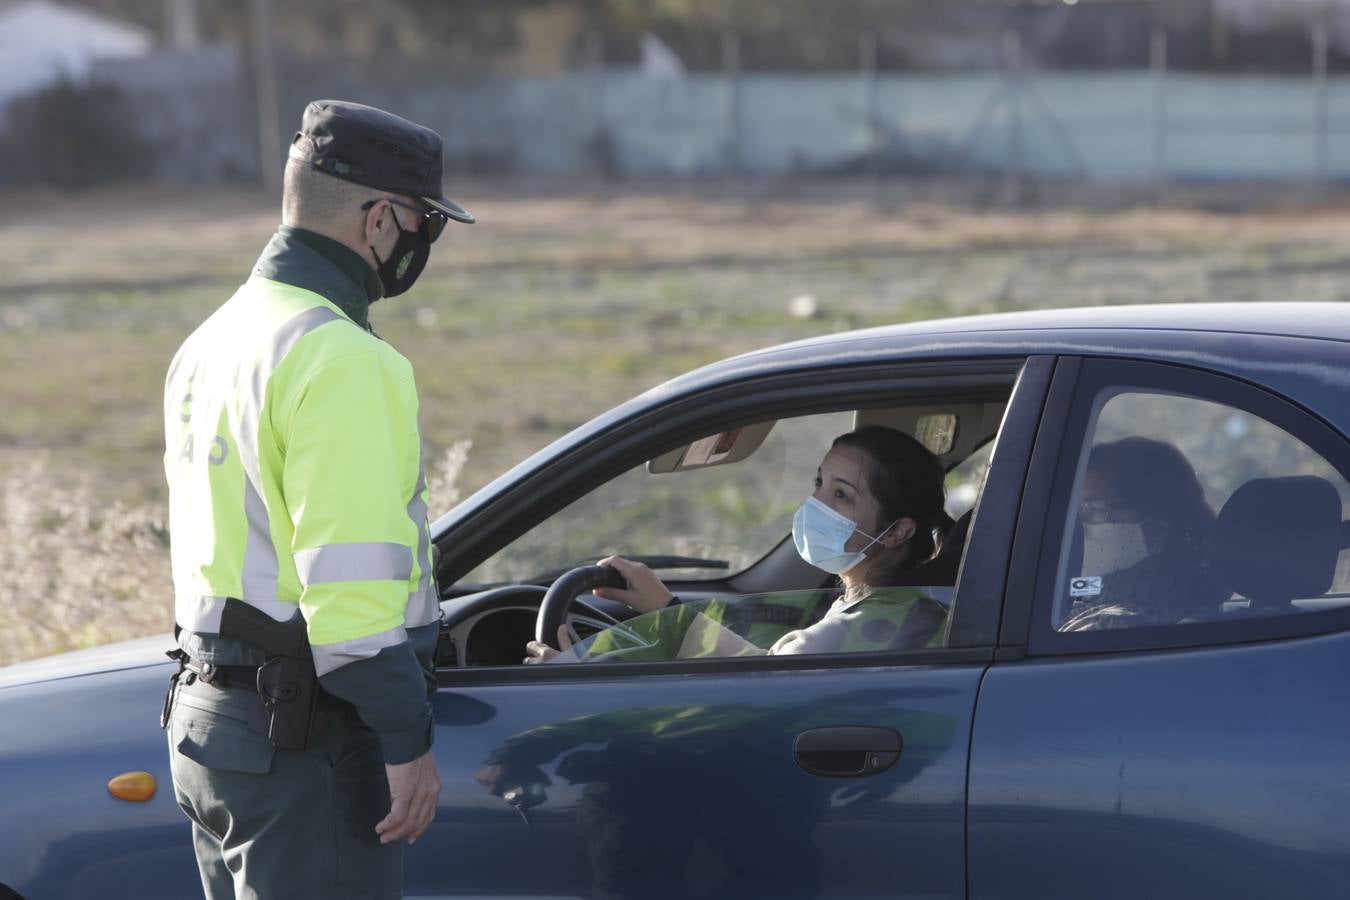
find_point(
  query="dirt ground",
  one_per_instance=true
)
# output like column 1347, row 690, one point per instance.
column 563, row 300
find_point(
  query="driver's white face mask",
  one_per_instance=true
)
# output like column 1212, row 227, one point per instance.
column 1111, row 546
column 820, row 534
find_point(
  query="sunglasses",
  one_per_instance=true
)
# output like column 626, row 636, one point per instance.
column 433, row 220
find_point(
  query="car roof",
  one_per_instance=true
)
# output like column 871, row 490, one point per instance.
column 1299, row 320
column 1293, row 319
column 1160, row 331
column 1138, row 331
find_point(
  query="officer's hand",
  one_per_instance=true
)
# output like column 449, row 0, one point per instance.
column 413, row 790
column 646, row 593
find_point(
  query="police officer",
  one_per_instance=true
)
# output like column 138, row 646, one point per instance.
column 300, row 725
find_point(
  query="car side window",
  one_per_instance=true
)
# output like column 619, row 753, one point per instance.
column 1185, row 510
column 729, row 515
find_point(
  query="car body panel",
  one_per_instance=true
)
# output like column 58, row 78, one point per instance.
column 65, row 835
column 1183, row 772
column 693, row 749
column 688, row 787
column 1208, row 772
column 108, row 658
column 1214, row 767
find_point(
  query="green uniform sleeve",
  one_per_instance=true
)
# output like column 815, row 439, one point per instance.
column 404, row 727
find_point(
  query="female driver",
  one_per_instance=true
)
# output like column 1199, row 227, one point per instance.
column 878, row 501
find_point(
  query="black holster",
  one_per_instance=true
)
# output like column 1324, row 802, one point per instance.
column 288, row 687
column 289, row 691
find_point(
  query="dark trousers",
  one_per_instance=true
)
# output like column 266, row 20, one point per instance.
column 270, row 823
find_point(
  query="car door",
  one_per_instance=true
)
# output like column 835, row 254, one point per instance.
column 839, row 775
column 1168, row 716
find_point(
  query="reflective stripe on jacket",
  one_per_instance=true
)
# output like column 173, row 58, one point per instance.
column 294, row 464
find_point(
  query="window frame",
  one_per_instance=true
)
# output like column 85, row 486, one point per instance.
column 1074, row 397
column 660, row 427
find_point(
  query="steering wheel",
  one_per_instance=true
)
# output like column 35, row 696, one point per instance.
column 558, row 600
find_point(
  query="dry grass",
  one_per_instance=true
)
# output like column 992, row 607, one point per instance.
column 557, row 305
column 77, row 572
column 74, row 572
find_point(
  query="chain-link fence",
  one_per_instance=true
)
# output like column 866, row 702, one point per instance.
column 634, row 109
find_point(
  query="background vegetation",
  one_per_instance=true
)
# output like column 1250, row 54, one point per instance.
column 411, row 38
column 561, row 302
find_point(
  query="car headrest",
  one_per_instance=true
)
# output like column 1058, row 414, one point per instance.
column 942, row 569
column 1277, row 539
column 954, row 541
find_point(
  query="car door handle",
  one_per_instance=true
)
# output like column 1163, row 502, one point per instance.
column 847, row 751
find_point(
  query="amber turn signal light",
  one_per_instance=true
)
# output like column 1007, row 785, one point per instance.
column 135, row 786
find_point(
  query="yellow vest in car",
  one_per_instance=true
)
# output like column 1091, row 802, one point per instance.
column 902, row 618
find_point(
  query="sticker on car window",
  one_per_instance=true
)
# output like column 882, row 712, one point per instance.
column 1086, row 586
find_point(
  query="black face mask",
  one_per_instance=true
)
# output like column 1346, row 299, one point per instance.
column 406, row 260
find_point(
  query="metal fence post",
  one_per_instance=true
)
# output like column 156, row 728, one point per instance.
column 601, row 154
column 181, row 21
column 868, row 52
column 265, row 84
column 1319, row 74
column 1157, row 63
column 731, row 123
column 595, row 61
column 1015, row 167
column 599, row 141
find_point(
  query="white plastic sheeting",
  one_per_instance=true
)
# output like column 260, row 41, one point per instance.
column 42, row 42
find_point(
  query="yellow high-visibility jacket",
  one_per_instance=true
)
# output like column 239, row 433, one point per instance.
column 295, row 474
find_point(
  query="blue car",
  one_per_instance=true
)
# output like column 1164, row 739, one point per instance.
column 1141, row 686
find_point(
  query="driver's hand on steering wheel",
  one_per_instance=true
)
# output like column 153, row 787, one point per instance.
column 645, row 592
column 538, row 652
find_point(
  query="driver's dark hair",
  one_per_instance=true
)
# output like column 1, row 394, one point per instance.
column 907, row 481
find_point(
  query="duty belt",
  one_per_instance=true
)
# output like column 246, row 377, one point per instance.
column 230, row 676
column 287, row 690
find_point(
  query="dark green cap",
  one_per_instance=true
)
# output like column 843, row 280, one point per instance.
column 375, row 148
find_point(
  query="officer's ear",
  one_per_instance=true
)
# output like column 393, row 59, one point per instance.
column 377, row 221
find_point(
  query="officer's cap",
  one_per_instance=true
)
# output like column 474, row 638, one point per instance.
column 375, row 148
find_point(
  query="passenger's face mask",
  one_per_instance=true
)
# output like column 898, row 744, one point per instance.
column 1112, row 546
column 821, row 534
column 406, row 260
